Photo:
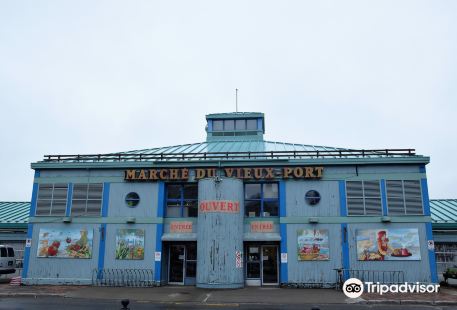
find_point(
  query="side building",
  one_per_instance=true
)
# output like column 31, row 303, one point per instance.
column 231, row 211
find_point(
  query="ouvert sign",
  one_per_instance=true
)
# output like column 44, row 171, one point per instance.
column 182, row 174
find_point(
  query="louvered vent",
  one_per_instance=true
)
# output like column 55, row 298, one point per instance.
column 413, row 197
column 363, row 198
column 87, row 199
column 404, row 197
column 52, row 199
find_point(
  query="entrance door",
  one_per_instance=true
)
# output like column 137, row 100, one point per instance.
column 253, row 265
column 177, row 258
column 270, row 265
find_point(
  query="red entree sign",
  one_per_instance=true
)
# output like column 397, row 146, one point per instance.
column 181, row 227
column 262, row 226
column 223, row 206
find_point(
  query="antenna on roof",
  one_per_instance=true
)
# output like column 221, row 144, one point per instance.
column 236, row 99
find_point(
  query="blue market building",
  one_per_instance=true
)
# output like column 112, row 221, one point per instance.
column 231, row 211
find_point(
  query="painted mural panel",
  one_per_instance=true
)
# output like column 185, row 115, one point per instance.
column 130, row 244
column 388, row 244
column 74, row 242
column 312, row 244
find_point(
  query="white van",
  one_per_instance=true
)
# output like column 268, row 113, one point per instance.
column 7, row 259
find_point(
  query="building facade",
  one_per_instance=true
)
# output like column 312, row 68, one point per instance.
column 444, row 223
column 234, row 210
column 14, row 216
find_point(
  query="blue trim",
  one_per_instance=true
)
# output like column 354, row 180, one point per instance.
column 260, row 124
column 161, row 199
column 345, row 248
column 282, row 198
column 69, row 199
column 284, row 277
column 25, row 268
column 383, row 197
column 30, row 230
column 425, row 198
column 105, row 203
column 158, row 265
column 34, row 199
column 210, row 125
column 431, row 254
column 342, row 190
column 37, row 173
column 159, row 232
column 101, row 250
column 422, row 169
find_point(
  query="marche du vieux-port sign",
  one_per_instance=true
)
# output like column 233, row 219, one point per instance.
column 182, row 174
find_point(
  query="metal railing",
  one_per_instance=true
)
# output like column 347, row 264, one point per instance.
column 123, row 277
column 381, row 276
column 231, row 155
column 445, row 259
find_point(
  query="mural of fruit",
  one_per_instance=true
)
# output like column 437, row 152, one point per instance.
column 52, row 251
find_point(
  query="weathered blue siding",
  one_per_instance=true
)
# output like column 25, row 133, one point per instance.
column 220, row 236
column 314, row 272
column 47, row 270
column 413, row 270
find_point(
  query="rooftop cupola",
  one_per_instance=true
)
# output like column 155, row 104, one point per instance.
column 235, row 126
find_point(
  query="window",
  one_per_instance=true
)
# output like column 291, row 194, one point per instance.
column 229, row 124
column 312, row 197
column 363, row 198
column 218, row 125
column 240, row 124
column 251, row 124
column 404, row 197
column 261, row 199
column 3, row 252
column 234, row 125
column 182, row 200
column 10, row 252
column 87, row 199
column 132, row 199
column 52, row 199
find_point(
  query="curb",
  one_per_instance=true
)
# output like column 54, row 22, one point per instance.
column 409, row 302
column 30, row 294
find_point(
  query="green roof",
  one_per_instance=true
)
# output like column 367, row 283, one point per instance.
column 14, row 213
column 234, row 115
column 444, row 211
column 234, row 146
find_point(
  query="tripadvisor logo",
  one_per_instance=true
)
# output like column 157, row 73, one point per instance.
column 354, row 288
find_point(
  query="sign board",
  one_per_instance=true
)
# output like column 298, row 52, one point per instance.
column 245, row 173
column 28, row 243
column 262, row 226
column 221, row 206
column 239, row 259
column 158, row 256
column 283, row 258
column 431, row 245
column 181, row 227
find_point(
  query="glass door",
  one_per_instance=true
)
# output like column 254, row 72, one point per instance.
column 176, row 264
column 253, row 265
column 270, row 265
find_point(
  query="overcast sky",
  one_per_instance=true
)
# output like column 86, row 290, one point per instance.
column 105, row 76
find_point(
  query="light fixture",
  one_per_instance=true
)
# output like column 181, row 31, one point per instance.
column 131, row 220
column 66, row 219
column 386, row 219
column 313, row 220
